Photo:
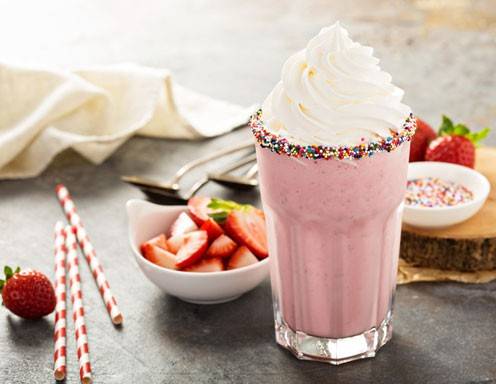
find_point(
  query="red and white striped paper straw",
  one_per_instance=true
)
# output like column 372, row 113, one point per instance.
column 59, row 334
column 89, row 252
column 77, row 307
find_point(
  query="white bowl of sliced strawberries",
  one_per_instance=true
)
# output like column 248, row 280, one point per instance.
column 210, row 251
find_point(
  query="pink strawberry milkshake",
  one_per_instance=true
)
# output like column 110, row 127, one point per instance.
column 333, row 154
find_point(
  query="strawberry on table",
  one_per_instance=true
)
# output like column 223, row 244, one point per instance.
column 213, row 229
column 221, row 248
column 182, row 225
column 208, row 265
column 456, row 144
column 241, row 258
column 28, row 294
column 192, row 249
column 423, row 136
column 158, row 255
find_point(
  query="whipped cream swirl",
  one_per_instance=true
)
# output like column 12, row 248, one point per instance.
column 333, row 92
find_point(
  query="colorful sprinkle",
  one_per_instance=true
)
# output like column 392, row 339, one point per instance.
column 281, row 145
column 434, row 192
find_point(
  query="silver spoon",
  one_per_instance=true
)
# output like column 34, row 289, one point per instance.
column 167, row 197
column 172, row 185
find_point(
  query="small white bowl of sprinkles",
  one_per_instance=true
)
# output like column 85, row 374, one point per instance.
column 442, row 194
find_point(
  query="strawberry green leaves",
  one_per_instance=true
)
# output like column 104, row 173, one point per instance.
column 477, row 137
column 8, row 274
column 447, row 128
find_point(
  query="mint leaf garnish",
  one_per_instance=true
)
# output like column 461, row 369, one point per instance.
column 227, row 205
column 219, row 217
column 222, row 208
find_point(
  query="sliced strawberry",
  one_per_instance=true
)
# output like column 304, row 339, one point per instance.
column 221, row 248
column 241, row 258
column 176, row 242
column 194, row 246
column 159, row 241
column 210, row 265
column 182, row 225
column 159, row 256
column 248, row 228
column 198, row 208
column 213, row 229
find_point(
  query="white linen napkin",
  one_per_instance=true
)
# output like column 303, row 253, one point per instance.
column 95, row 110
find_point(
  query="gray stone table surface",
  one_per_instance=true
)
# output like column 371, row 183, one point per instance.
column 443, row 53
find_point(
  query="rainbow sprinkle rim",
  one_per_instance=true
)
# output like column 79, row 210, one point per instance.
column 281, row 145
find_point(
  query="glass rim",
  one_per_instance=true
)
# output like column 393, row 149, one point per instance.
column 282, row 146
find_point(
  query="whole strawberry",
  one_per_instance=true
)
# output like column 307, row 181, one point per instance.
column 423, row 136
column 455, row 144
column 28, row 294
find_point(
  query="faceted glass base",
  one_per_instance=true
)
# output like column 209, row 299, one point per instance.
column 333, row 351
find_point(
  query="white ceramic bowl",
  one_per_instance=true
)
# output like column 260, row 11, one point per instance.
column 436, row 217
column 147, row 220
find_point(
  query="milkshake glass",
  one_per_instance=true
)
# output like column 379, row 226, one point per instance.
column 333, row 145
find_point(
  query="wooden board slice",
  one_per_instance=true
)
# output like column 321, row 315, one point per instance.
column 468, row 246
